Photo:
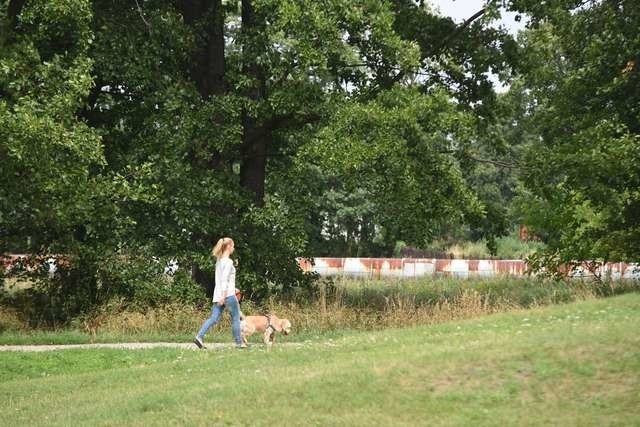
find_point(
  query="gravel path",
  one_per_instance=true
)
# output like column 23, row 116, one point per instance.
column 127, row 345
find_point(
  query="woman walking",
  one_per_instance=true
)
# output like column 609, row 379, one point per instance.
column 224, row 293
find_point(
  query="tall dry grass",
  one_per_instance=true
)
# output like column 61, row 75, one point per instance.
column 11, row 320
column 350, row 304
column 398, row 311
column 341, row 306
column 165, row 320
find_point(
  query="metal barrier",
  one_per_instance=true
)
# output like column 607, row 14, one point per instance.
column 377, row 268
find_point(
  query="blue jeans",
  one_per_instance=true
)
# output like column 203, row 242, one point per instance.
column 216, row 312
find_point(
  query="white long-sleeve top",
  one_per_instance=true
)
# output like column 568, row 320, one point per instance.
column 225, row 279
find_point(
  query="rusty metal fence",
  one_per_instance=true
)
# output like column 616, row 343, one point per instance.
column 377, row 268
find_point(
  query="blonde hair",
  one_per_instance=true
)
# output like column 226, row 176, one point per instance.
column 221, row 246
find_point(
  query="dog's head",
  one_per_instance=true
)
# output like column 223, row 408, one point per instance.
column 285, row 326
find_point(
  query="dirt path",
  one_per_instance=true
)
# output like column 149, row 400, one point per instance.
column 128, row 345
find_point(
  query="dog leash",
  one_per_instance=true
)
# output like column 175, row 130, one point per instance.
column 269, row 325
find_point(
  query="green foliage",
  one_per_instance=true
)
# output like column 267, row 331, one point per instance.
column 506, row 247
column 134, row 130
column 494, row 164
column 511, row 247
column 268, row 240
column 582, row 173
column 86, row 282
column 47, row 152
column 397, row 156
column 457, row 58
column 179, row 174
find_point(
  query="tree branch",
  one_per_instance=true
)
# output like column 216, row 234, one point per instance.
column 499, row 163
column 142, row 17
column 459, row 30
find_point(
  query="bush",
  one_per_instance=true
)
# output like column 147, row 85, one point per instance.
column 86, row 282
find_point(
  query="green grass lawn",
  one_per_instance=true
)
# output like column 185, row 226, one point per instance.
column 574, row 364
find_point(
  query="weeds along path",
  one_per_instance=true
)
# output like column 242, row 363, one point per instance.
column 127, row 346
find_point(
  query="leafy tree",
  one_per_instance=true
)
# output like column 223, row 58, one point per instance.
column 151, row 128
column 47, row 152
column 199, row 103
column 399, row 152
column 495, row 165
column 459, row 58
column 583, row 171
column 453, row 59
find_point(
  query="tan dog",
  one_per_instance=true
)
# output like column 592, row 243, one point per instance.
column 268, row 325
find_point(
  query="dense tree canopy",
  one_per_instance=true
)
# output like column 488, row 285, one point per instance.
column 132, row 130
column 583, row 169
column 47, row 151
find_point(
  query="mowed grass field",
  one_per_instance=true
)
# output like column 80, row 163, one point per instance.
column 574, row 364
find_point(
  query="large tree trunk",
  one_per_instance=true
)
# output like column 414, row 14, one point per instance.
column 14, row 9
column 253, row 172
column 208, row 71
column 9, row 24
column 256, row 136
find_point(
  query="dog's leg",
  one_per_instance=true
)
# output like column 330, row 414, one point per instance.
column 267, row 336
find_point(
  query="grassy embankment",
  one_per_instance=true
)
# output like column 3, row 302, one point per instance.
column 570, row 364
column 337, row 308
